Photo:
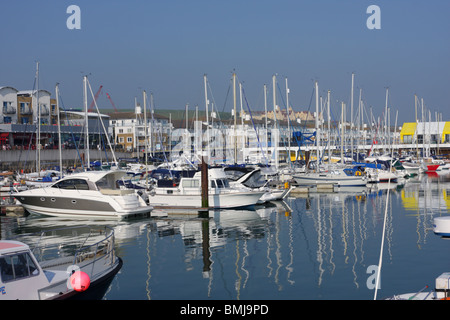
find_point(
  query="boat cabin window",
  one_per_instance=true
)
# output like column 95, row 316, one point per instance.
column 222, row 183
column 76, row 184
column 190, row 183
column 256, row 180
column 107, row 182
column 17, row 266
column 349, row 172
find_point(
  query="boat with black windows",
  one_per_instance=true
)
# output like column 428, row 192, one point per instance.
column 57, row 264
column 187, row 193
column 258, row 178
column 90, row 194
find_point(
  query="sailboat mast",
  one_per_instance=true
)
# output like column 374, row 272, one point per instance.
column 342, row 133
column 59, row 130
column 329, row 127
column 275, row 141
column 235, row 124
column 386, row 118
column 242, row 122
column 317, row 125
column 207, row 118
column 417, row 126
column 265, row 112
column 144, row 99
column 38, row 142
column 86, row 147
column 136, row 126
column 351, row 116
column 288, row 121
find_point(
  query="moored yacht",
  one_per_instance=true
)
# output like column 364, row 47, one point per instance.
column 186, row 192
column 91, row 194
column 42, row 266
column 338, row 176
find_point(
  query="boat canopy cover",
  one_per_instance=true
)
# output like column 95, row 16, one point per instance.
column 368, row 165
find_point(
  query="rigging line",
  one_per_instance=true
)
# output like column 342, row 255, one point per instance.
column 158, row 132
column 254, row 127
column 304, row 125
column 287, row 114
column 214, row 100
column 71, row 131
column 32, row 134
column 226, row 97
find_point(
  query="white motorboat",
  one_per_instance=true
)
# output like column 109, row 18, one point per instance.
column 441, row 291
column 254, row 179
column 380, row 175
column 187, row 192
column 42, row 179
column 91, row 194
column 338, row 177
column 43, row 267
column 441, row 226
column 413, row 168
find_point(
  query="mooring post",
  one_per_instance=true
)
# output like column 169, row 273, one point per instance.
column 205, row 202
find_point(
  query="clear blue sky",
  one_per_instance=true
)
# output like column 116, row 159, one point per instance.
column 165, row 47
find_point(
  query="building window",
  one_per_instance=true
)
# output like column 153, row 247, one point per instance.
column 24, row 109
column 420, row 138
column 6, row 119
column 407, row 139
column 120, row 139
column 129, row 139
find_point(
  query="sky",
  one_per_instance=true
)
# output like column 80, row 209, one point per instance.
column 166, row 48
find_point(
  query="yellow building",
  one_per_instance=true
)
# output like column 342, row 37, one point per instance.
column 437, row 131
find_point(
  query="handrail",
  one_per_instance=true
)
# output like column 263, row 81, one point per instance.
column 80, row 244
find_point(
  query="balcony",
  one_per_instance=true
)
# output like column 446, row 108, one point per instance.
column 9, row 109
column 25, row 109
column 45, row 111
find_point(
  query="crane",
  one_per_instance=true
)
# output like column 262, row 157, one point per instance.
column 91, row 107
column 109, row 97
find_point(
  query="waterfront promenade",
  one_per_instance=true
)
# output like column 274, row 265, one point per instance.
column 16, row 160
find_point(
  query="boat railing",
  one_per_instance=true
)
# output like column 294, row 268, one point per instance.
column 83, row 246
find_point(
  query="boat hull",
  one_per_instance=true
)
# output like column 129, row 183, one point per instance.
column 81, row 206
column 338, row 180
column 441, row 226
column 432, row 167
column 216, row 201
column 97, row 288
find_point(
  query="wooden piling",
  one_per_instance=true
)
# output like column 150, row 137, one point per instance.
column 205, row 195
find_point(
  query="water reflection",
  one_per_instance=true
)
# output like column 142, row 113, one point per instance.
column 314, row 246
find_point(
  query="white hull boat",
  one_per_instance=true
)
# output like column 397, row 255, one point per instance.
column 92, row 194
column 377, row 175
column 337, row 177
column 255, row 180
column 441, row 291
column 43, row 266
column 413, row 168
column 441, row 226
column 187, row 193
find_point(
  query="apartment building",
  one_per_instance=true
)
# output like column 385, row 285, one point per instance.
column 127, row 130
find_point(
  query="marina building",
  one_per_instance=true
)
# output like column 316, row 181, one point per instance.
column 425, row 132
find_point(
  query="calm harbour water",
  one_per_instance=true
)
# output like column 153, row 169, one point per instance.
column 310, row 247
